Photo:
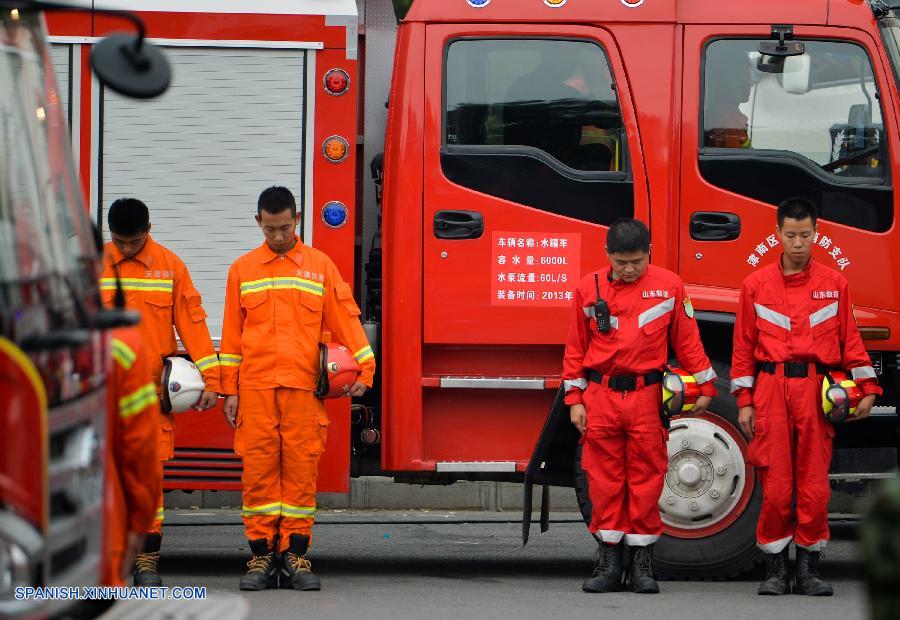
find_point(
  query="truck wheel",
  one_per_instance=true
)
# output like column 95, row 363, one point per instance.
column 711, row 498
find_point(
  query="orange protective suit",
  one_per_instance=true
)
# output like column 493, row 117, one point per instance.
column 132, row 485
column 157, row 284
column 276, row 309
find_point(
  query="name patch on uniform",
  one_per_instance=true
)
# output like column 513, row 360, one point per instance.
column 825, row 295
column 655, row 294
column 688, row 307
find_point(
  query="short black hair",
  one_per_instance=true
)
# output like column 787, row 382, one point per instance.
column 276, row 199
column 128, row 216
column 797, row 208
column 627, row 235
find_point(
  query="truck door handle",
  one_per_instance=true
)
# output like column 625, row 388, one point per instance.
column 715, row 226
column 458, row 224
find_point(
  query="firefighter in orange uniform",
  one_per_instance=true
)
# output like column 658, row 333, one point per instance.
column 278, row 300
column 794, row 323
column 624, row 318
column 157, row 284
column 132, row 484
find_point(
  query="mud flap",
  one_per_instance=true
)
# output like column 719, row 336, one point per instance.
column 551, row 462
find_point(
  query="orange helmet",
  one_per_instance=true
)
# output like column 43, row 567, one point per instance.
column 679, row 392
column 840, row 396
column 338, row 371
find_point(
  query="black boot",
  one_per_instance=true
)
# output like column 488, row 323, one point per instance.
column 261, row 567
column 807, row 575
column 297, row 568
column 607, row 575
column 146, row 563
column 776, row 581
column 641, row 574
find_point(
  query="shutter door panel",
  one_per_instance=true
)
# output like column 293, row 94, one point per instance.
column 229, row 126
column 59, row 54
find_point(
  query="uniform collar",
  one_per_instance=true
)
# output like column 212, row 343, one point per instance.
column 295, row 253
column 144, row 257
column 800, row 276
column 620, row 283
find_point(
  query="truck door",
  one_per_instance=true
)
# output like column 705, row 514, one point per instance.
column 531, row 151
column 758, row 129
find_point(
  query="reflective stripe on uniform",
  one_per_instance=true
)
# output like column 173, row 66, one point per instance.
column 822, row 315
column 862, row 372
column 298, row 512
column 742, row 382
column 137, row 284
column 775, row 318
column 160, row 514
column 226, row 359
column 286, row 282
column 705, row 375
column 364, row 354
column 204, row 363
column 123, row 354
column 658, row 311
column 137, row 401
column 580, row 384
column 269, row 510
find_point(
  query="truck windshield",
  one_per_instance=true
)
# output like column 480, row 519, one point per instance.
column 46, row 247
column 890, row 32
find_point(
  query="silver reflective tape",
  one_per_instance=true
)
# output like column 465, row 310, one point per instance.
column 657, row 311
column 742, row 382
column 705, row 376
column 611, row 537
column 862, row 372
column 569, row 384
column 640, row 540
column 775, row 318
column 776, row 546
column 820, row 316
column 589, row 313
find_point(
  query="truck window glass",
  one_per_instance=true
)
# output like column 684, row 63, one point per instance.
column 544, row 109
column 808, row 125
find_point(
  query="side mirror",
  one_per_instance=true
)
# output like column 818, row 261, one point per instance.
column 131, row 66
column 795, row 79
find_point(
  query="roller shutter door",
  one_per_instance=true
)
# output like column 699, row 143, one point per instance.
column 60, row 55
column 230, row 125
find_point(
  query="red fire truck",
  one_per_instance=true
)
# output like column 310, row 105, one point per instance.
column 516, row 132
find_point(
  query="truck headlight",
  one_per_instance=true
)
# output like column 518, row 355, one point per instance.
column 20, row 551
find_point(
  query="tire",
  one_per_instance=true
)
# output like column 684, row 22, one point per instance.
column 724, row 554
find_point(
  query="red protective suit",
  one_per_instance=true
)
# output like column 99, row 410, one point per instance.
column 805, row 317
column 624, row 453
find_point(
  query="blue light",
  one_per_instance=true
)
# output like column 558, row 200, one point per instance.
column 334, row 214
column 478, row 3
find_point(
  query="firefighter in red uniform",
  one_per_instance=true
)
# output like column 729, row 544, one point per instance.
column 794, row 322
column 624, row 319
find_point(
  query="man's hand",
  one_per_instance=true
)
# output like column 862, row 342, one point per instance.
column 745, row 419
column 133, row 546
column 863, row 409
column 359, row 388
column 230, row 409
column 702, row 405
column 208, row 400
column 578, row 415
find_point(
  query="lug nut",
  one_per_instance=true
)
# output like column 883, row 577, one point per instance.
column 685, row 443
column 707, row 449
column 694, row 505
column 670, row 500
column 720, row 470
column 714, row 493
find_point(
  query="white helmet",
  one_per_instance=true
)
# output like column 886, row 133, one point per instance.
column 182, row 385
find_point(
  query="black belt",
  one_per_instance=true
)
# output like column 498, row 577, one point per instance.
column 792, row 370
column 623, row 383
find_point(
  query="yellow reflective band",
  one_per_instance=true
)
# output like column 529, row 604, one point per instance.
column 282, row 283
column 210, row 361
column 263, row 510
column 137, row 284
column 229, row 360
column 137, row 401
column 160, row 514
column 364, row 354
column 298, row 512
column 123, row 354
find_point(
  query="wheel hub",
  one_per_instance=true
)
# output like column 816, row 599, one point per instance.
column 705, row 479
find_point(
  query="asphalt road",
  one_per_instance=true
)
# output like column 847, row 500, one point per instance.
column 444, row 565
